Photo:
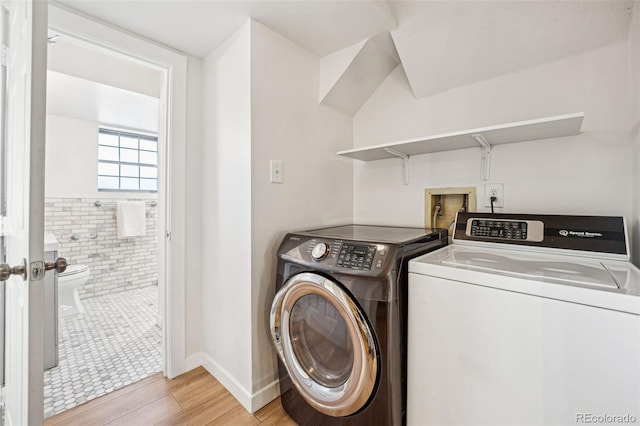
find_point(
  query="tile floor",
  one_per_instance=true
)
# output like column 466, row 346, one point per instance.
column 113, row 344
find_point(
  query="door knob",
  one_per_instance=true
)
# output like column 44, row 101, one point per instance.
column 60, row 265
column 6, row 271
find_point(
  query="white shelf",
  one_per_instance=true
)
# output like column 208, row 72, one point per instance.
column 543, row 128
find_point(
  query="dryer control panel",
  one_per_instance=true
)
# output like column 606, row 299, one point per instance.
column 355, row 256
column 358, row 250
column 347, row 255
column 339, row 255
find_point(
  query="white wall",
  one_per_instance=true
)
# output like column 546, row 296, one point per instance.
column 226, row 215
column 71, row 168
column 634, row 68
column 194, row 213
column 71, row 161
column 585, row 174
column 260, row 103
column 288, row 124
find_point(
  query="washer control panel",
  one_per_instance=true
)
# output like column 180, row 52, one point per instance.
column 595, row 234
column 503, row 229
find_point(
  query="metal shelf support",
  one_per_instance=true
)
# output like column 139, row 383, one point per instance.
column 405, row 163
column 485, row 156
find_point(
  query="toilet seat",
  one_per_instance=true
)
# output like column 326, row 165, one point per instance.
column 73, row 270
column 69, row 282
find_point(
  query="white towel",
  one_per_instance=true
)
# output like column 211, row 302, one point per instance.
column 130, row 218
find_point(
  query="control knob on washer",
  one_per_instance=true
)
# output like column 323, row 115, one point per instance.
column 320, row 251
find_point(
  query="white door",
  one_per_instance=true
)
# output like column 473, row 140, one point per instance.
column 24, row 221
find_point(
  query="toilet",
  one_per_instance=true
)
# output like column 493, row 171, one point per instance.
column 69, row 282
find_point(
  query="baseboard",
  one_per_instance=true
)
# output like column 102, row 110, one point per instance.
column 250, row 402
column 265, row 395
column 193, row 361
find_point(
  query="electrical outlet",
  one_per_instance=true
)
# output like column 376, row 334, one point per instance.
column 494, row 190
column 275, row 175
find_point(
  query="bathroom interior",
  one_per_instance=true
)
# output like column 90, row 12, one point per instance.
column 102, row 216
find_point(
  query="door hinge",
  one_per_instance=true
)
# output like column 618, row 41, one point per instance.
column 168, row 235
column 4, row 55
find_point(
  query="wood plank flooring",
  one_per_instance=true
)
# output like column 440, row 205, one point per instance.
column 195, row 398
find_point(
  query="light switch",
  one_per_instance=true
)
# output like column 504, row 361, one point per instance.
column 275, row 175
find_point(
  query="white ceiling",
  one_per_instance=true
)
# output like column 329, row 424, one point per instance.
column 91, row 83
column 442, row 44
column 75, row 97
column 77, row 58
column 197, row 27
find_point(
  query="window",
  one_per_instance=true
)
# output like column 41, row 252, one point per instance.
column 127, row 161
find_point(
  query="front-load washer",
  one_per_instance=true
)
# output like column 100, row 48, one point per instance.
column 338, row 322
column 525, row 319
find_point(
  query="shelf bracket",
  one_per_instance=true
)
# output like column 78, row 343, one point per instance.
column 485, row 157
column 405, row 163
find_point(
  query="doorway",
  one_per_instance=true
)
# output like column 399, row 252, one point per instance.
column 171, row 233
column 171, row 195
column 103, row 144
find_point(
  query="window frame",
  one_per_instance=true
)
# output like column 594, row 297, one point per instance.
column 140, row 136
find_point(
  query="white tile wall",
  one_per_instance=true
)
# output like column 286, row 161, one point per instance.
column 116, row 265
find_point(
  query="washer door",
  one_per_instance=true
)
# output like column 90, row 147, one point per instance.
column 325, row 343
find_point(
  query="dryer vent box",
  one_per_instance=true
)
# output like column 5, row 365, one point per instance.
column 450, row 201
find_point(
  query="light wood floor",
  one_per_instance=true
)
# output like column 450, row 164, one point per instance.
column 195, row 398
